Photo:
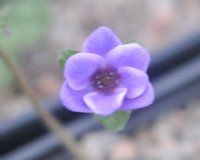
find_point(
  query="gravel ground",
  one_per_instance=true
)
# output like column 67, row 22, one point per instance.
column 174, row 136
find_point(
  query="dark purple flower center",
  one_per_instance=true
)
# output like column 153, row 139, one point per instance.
column 105, row 80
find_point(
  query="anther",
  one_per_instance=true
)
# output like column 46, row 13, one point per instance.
column 97, row 77
column 98, row 82
column 105, row 80
column 100, row 86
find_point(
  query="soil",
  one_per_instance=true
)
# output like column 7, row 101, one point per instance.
column 174, row 136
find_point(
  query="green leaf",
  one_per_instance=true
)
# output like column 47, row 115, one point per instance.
column 65, row 55
column 132, row 41
column 23, row 23
column 27, row 22
column 115, row 122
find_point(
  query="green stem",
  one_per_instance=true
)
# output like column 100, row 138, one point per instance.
column 65, row 138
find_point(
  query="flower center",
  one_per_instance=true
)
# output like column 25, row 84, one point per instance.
column 105, row 80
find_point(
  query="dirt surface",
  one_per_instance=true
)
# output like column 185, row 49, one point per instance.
column 174, row 136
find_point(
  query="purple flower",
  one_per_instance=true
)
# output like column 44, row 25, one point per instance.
column 107, row 76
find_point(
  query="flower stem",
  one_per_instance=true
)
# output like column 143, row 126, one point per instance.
column 65, row 138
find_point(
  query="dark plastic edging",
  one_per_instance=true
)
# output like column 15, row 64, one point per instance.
column 178, row 53
column 28, row 127
column 169, row 90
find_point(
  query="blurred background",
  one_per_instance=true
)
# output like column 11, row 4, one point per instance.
column 34, row 32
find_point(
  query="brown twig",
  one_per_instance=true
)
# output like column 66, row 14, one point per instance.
column 65, row 138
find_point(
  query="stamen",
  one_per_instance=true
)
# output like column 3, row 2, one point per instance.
column 98, row 82
column 100, row 86
column 97, row 77
column 105, row 80
column 111, row 73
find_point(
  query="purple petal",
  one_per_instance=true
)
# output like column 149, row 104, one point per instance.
column 101, row 41
column 134, row 80
column 73, row 100
column 144, row 100
column 132, row 55
column 103, row 104
column 80, row 67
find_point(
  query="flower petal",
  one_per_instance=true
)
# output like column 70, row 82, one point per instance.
column 132, row 55
column 104, row 104
column 101, row 41
column 134, row 80
column 80, row 67
column 73, row 100
column 144, row 100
